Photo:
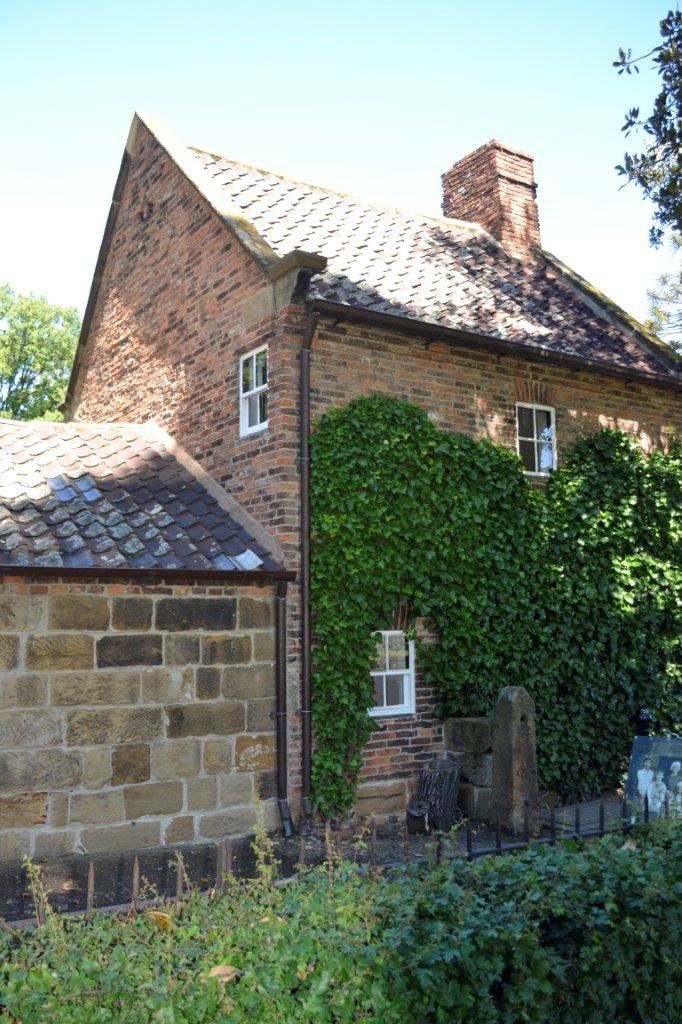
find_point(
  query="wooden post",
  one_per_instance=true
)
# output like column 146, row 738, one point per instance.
column 90, row 895
column 136, row 885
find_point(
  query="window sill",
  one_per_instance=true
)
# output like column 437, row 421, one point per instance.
column 256, row 432
column 391, row 712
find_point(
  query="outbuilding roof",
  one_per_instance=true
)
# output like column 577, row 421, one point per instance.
column 115, row 497
column 436, row 270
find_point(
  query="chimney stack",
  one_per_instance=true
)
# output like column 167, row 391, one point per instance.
column 495, row 187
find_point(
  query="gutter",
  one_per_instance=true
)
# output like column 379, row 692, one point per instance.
column 281, row 707
column 255, row 576
column 305, row 823
column 488, row 343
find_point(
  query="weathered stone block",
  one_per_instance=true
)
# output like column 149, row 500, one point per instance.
column 34, row 770
column 209, row 681
column 251, row 681
column 78, row 611
column 236, row 788
column 113, row 725
column 166, row 685
column 254, row 753
column 183, row 614
column 471, row 735
column 176, row 759
column 474, row 801
column 266, row 785
column 255, row 613
column 202, row 794
column 14, row 845
column 96, row 808
column 515, row 781
column 20, row 611
column 114, row 651
column 23, row 811
column 216, row 718
column 59, row 652
column 34, row 728
column 181, row 650
column 130, row 763
column 132, row 613
column 121, row 838
column 180, row 830
column 225, row 650
column 23, row 691
column 152, row 798
column 58, row 809
column 217, row 756
column 49, row 845
column 233, row 822
column 381, row 797
column 96, row 767
column 476, row 768
column 264, row 646
column 260, row 715
column 95, row 688
column 9, row 652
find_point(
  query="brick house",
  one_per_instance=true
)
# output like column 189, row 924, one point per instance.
column 232, row 306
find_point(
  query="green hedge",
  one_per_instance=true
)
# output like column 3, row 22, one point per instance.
column 574, row 592
column 578, row 934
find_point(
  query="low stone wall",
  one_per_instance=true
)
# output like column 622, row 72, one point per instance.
column 470, row 740
column 133, row 716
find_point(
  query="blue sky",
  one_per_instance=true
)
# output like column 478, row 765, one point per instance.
column 375, row 98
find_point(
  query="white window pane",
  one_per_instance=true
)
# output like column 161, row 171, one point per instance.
column 378, row 691
column 545, row 456
column 397, row 651
column 543, row 420
column 525, row 422
column 252, row 406
column 379, row 660
column 527, row 453
column 263, row 406
column 262, row 368
column 395, row 690
column 247, row 374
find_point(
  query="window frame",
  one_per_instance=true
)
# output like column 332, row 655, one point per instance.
column 408, row 707
column 543, row 474
column 244, row 429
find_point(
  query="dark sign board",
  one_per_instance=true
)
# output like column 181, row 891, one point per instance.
column 655, row 772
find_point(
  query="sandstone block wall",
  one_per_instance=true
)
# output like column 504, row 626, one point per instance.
column 133, row 716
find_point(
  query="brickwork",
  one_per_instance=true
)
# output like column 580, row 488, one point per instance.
column 133, row 716
column 495, row 187
column 180, row 300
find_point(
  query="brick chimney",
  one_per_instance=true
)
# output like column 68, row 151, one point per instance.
column 494, row 186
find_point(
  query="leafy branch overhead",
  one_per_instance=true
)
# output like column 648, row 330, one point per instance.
column 573, row 592
column 656, row 168
column 37, row 345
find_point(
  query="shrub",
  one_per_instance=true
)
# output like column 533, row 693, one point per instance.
column 580, row 933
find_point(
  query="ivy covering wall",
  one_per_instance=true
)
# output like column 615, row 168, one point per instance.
column 574, row 592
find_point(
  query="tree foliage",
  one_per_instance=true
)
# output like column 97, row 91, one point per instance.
column 665, row 303
column 573, row 592
column 37, row 345
column 656, row 167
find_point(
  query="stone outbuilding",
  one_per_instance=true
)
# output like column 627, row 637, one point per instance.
column 140, row 609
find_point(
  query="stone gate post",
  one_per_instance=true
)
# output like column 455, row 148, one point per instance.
column 514, row 775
